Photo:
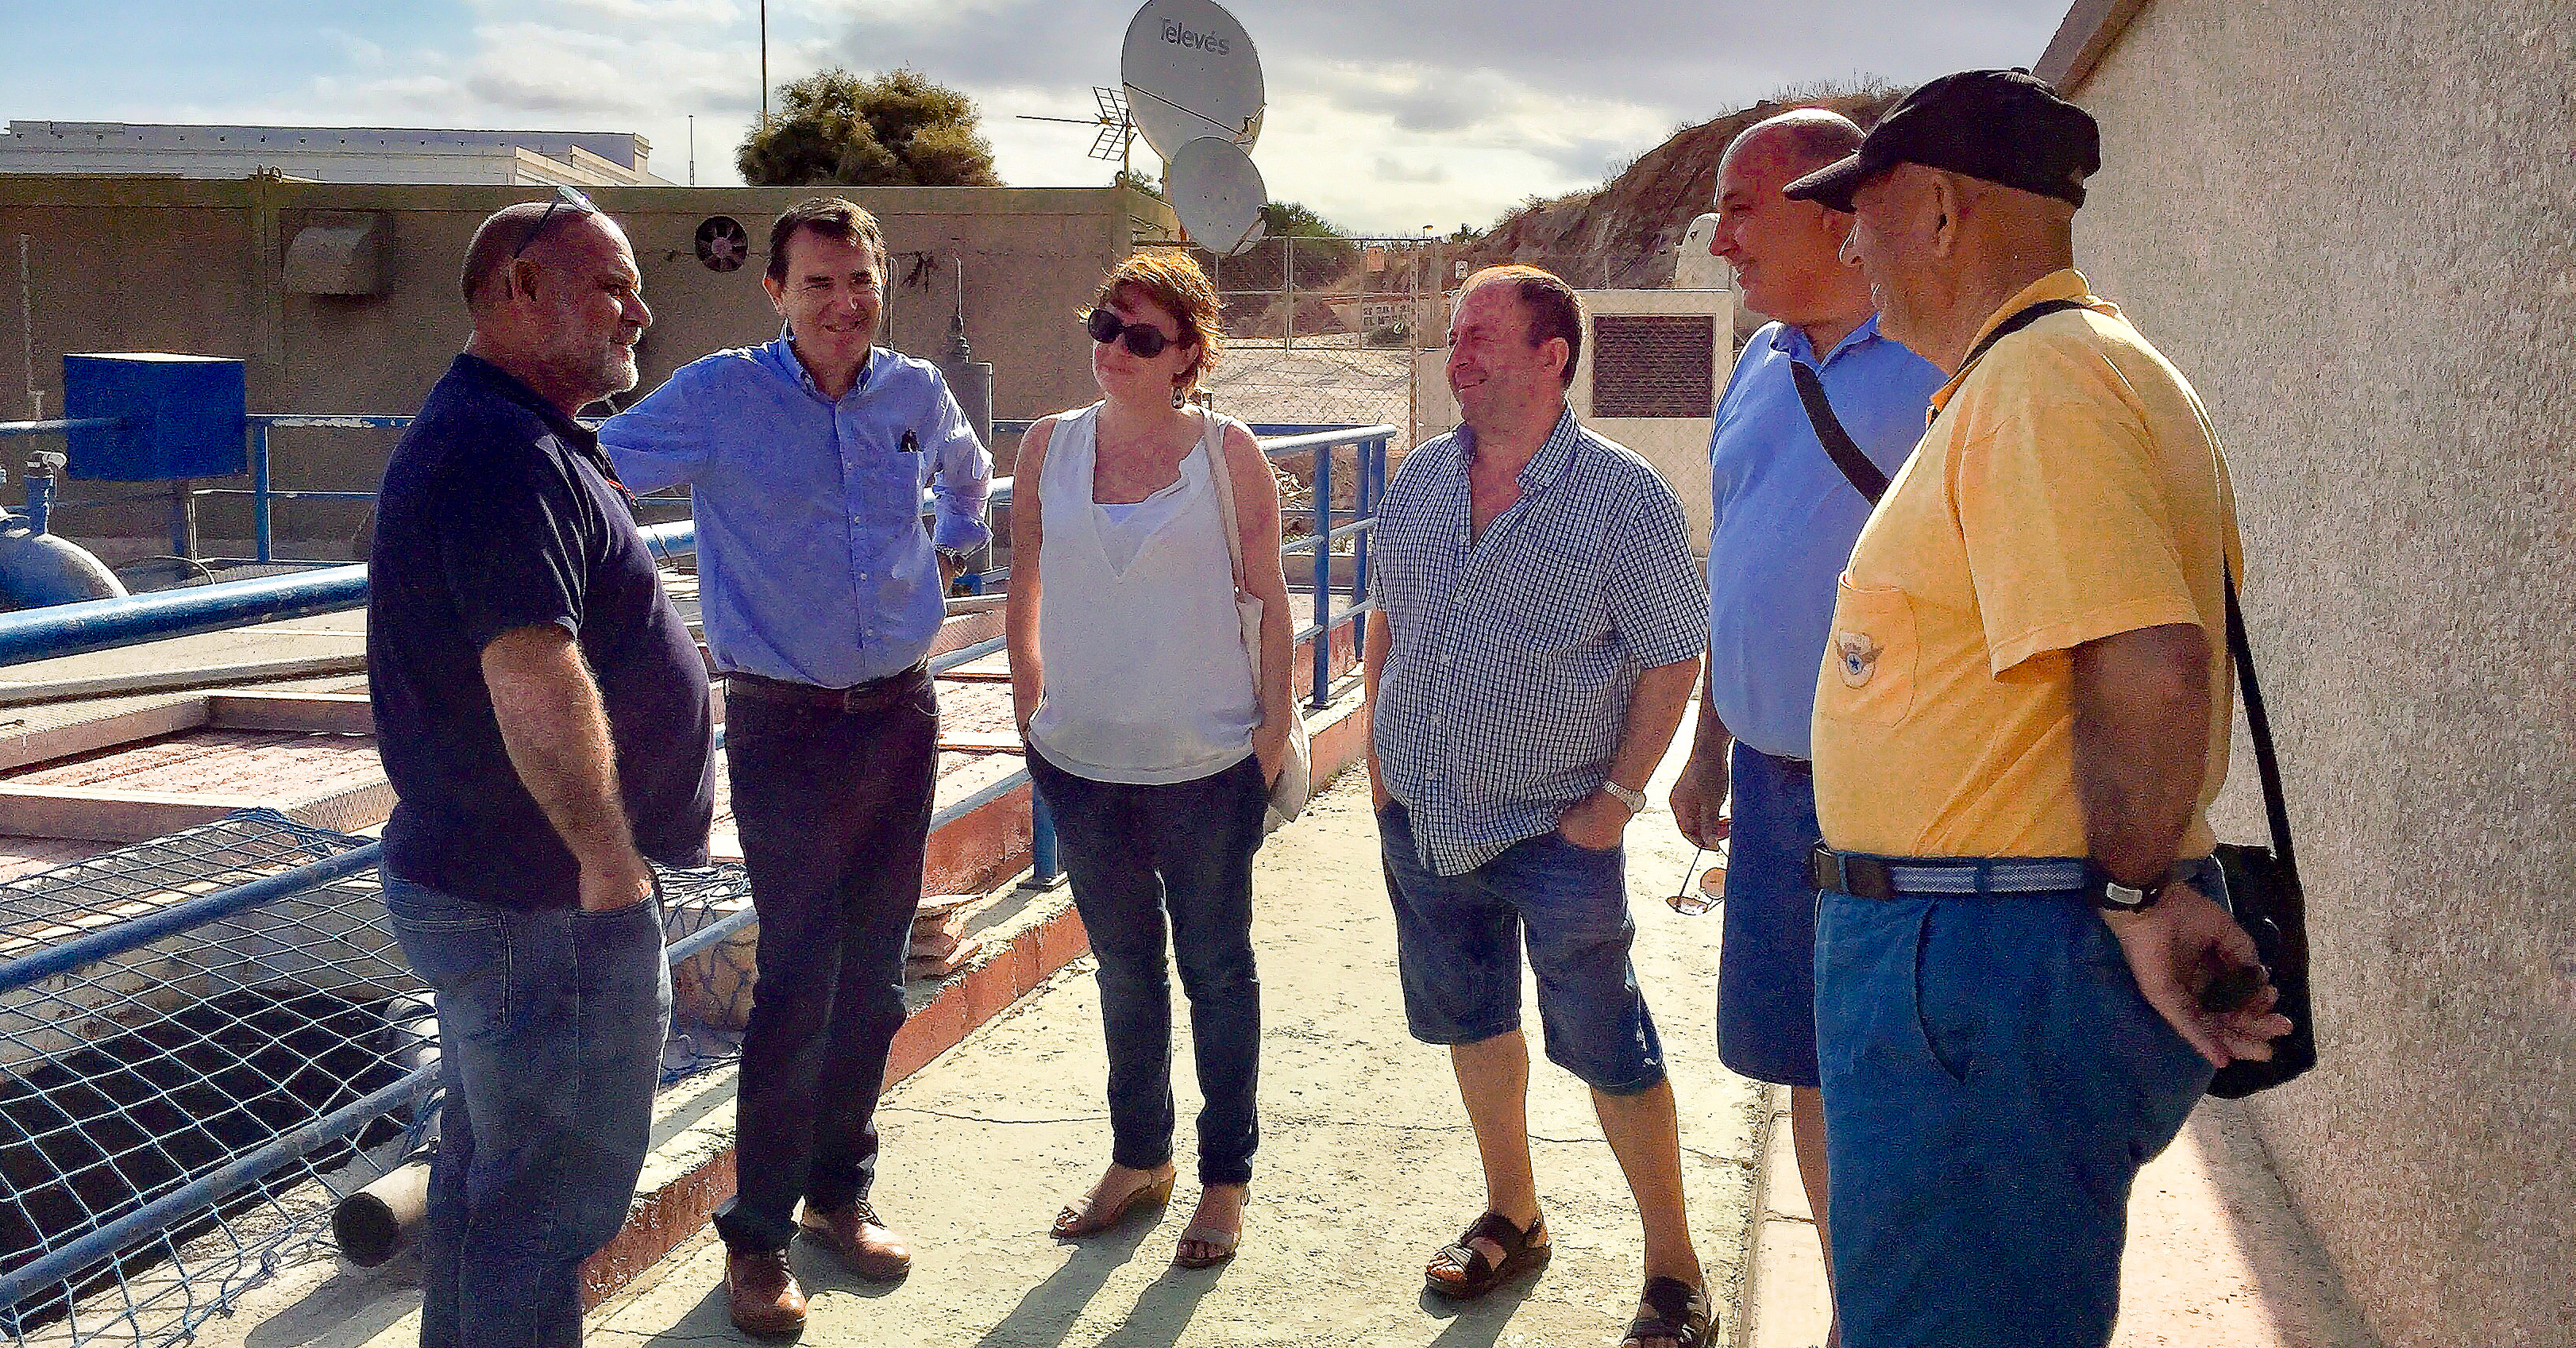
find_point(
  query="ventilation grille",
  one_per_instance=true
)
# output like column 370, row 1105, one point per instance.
column 1654, row 365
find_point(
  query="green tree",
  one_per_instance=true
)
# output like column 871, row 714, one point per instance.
column 893, row 130
column 1139, row 182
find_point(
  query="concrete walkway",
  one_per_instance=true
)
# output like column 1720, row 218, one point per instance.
column 1366, row 1162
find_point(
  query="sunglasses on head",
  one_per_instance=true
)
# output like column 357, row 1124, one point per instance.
column 1143, row 341
column 564, row 196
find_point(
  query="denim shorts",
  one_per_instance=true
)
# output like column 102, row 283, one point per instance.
column 1458, row 950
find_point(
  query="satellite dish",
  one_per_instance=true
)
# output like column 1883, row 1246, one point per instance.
column 1217, row 193
column 1190, row 72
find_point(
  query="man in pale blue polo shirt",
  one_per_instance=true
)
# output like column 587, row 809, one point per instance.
column 807, row 459
column 1786, row 516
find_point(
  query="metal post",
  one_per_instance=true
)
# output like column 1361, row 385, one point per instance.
column 1323, row 690
column 40, row 500
column 183, row 519
column 1364, row 502
column 1289, row 242
column 260, row 543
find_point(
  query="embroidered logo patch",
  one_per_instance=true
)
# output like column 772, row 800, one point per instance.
column 1857, row 655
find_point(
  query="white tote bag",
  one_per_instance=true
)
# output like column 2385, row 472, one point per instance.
column 1296, row 773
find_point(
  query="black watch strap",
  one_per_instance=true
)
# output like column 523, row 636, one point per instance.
column 2110, row 895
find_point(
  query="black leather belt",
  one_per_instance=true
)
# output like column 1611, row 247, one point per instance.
column 874, row 695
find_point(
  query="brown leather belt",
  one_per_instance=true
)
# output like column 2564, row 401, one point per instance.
column 874, row 695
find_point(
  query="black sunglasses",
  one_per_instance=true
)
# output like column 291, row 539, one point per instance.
column 1143, row 341
column 564, row 196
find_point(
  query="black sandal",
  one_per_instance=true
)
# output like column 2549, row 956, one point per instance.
column 1672, row 1309
column 1523, row 1252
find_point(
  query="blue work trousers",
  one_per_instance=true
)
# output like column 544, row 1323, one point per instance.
column 550, row 1029
column 1993, row 1080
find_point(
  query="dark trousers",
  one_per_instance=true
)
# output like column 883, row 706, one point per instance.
column 1146, row 860
column 833, row 805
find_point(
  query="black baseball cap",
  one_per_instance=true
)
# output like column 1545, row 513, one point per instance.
column 2005, row 126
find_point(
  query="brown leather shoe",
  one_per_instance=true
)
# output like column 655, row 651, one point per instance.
column 766, row 1300
column 860, row 1239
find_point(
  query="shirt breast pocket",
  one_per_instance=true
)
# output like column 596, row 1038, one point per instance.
column 891, row 487
column 1868, row 677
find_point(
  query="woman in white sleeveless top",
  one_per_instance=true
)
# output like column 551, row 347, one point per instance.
column 1146, row 735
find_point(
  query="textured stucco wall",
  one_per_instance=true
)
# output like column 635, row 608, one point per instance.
column 2352, row 226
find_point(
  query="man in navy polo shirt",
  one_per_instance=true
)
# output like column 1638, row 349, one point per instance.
column 1786, row 517
column 543, row 715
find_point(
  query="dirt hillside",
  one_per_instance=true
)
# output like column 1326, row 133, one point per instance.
column 1622, row 234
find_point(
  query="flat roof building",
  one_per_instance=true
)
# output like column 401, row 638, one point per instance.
column 334, row 154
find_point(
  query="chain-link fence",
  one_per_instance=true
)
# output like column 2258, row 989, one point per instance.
column 208, row 1040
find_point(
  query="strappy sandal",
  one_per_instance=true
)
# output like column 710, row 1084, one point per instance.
column 1523, row 1252
column 1223, row 1242
column 1074, row 1223
column 1672, row 1309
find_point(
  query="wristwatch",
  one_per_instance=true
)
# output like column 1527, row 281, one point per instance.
column 956, row 557
column 2111, row 896
column 1634, row 800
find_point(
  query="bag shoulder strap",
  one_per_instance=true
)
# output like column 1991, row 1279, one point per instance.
column 1863, row 475
column 1213, row 440
column 2258, row 725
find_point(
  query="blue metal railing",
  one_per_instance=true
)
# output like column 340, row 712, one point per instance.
column 73, row 628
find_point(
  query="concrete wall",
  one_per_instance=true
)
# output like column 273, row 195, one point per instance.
column 195, row 267
column 2349, row 224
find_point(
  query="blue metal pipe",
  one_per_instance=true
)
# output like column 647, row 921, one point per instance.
column 104, row 624
column 104, row 943
column 1323, row 540
column 59, row 426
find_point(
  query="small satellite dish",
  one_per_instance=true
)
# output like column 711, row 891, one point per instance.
column 1217, row 193
column 1190, row 71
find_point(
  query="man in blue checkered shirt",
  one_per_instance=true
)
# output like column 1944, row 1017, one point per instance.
column 1537, row 636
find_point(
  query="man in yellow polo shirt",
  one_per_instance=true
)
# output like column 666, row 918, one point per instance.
column 2020, row 722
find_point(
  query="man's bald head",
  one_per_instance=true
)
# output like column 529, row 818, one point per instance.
column 1785, row 253
column 1805, row 139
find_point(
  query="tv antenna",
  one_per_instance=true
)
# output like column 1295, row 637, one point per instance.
column 1117, row 128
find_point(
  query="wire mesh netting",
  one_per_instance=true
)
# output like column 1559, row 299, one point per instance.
column 179, row 1115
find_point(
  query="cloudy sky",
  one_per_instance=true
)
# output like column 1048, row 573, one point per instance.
column 1383, row 116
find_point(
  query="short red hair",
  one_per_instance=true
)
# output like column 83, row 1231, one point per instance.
column 1171, row 281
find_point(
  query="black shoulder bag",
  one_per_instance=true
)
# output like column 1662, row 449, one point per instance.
column 2263, row 886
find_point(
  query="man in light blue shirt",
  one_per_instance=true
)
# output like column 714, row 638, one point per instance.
column 1786, row 516
column 806, row 459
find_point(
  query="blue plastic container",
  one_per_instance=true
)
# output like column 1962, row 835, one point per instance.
column 183, row 416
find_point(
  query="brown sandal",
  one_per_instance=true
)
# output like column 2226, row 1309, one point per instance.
column 1524, row 1251
column 1075, row 1223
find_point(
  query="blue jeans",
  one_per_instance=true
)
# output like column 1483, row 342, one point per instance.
column 550, row 1029
column 1140, row 855
column 1766, row 974
column 1458, row 951
column 1993, row 1081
